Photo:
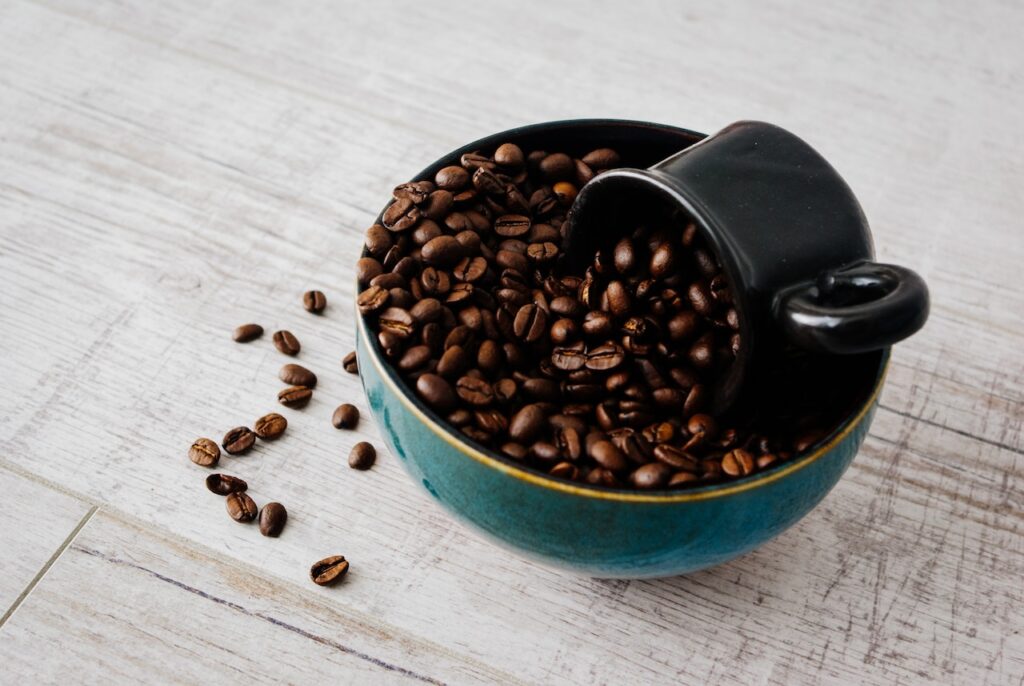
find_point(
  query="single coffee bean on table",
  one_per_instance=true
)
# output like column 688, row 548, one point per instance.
column 273, row 517
column 240, row 506
column 349, row 363
column 346, row 416
column 286, row 343
column 329, row 570
column 314, row 301
column 362, row 456
column 297, row 375
column 224, row 484
column 602, row 376
column 295, row 397
column 239, row 440
column 270, row 427
column 204, row 452
column 247, row 332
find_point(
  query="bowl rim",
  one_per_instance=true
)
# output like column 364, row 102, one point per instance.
column 510, row 467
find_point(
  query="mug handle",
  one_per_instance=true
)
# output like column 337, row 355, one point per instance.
column 853, row 309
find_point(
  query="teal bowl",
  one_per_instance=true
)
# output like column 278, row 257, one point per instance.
column 590, row 530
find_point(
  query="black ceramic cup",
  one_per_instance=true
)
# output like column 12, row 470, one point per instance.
column 789, row 233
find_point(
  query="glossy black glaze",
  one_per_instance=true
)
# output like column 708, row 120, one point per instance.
column 789, row 233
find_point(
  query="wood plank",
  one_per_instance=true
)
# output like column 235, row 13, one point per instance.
column 37, row 523
column 166, row 174
column 123, row 605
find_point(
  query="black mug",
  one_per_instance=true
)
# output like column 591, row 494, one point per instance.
column 789, row 233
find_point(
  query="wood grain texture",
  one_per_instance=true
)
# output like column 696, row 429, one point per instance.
column 170, row 171
column 37, row 523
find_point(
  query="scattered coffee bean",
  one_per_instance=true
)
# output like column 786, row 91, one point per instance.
column 273, row 517
column 349, row 363
column 345, row 417
column 240, row 506
column 297, row 375
column 270, row 426
column 295, row 397
column 247, row 332
column 204, row 453
column 362, row 456
column 314, row 301
column 286, row 343
column 238, row 441
column 329, row 570
column 224, row 484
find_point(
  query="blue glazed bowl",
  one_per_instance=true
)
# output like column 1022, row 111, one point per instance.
column 587, row 529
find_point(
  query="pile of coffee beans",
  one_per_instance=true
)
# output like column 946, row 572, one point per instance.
column 602, row 377
column 240, row 440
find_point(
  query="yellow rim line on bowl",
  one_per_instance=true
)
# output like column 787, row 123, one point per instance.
column 565, row 487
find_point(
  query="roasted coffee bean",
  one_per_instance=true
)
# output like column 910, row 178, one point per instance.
column 567, row 438
column 619, row 302
column 329, row 570
column 527, row 423
column 314, row 301
column 436, row 392
column 367, row 268
column 437, row 205
column 680, row 479
column 297, row 375
column 605, row 357
column 607, row 455
column 565, row 470
column 389, row 281
column 395, row 321
column 373, row 299
column 602, row 158
column 345, row 416
column 204, row 453
column 563, row 331
column 425, row 311
column 246, row 333
column 270, row 426
column 624, row 256
column 240, row 506
column 378, row 240
column 295, row 397
column 273, row 517
column 470, row 269
column 402, row 214
column 738, row 462
column 565, row 191
column 509, row 155
column 683, row 325
column 474, row 160
column 238, row 441
column 414, row 358
column 451, row 178
column 286, row 343
column 663, row 260
column 676, row 458
column 476, row 392
column 453, row 362
column 414, row 191
column 512, row 225
column 702, row 352
column 557, row 166
column 443, row 251
column 362, row 456
column 224, row 484
column 542, row 252
column 530, row 323
column 349, row 363
column 569, row 358
column 650, row 476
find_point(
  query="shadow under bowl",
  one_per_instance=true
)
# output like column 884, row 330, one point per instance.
column 591, row 530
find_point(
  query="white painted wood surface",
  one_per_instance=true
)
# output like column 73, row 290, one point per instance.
column 169, row 170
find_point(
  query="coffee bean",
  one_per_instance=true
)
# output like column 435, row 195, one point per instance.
column 373, row 299
column 436, row 392
column 565, row 191
column 314, row 301
column 272, row 519
column 682, row 479
column 563, row 331
column 367, row 268
column 240, row 506
column 345, row 416
column 414, row 358
column 565, row 470
column 414, row 191
column 509, row 155
column 530, row 323
column 651, row 475
column 286, row 343
column 204, row 453
column 470, row 269
column 676, row 458
column 451, row 178
column 246, row 333
column 362, row 456
column 619, row 302
column 378, row 240
column 512, row 225
column 607, row 455
column 329, row 570
column 349, row 363
column 527, row 423
column 402, row 214
column 224, row 484
column 295, row 396
column 238, row 441
column 270, row 426
column 624, row 256
column 738, row 462
column 602, row 158
column 557, row 166
column 297, row 375
column 476, row 392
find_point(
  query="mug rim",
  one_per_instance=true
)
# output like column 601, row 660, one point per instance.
column 510, row 467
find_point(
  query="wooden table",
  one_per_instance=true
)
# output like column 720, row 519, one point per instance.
column 169, row 170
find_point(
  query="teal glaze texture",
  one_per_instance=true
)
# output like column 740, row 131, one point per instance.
column 585, row 529
column 589, row 534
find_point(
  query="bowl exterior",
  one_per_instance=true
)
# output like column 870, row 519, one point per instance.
column 600, row 533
